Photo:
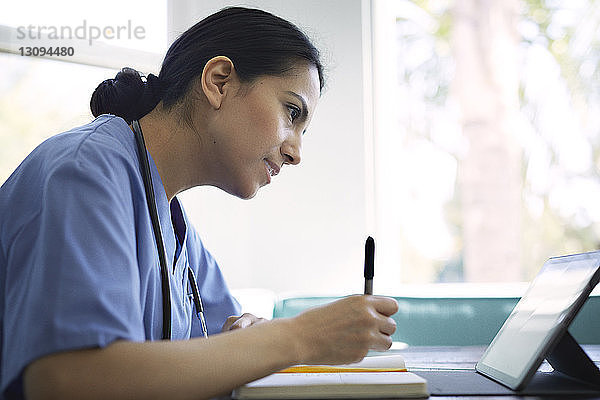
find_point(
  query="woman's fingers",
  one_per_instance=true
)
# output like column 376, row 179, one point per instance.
column 239, row 322
column 382, row 343
column 385, row 305
column 388, row 326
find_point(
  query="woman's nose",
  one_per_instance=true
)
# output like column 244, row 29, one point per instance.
column 292, row 149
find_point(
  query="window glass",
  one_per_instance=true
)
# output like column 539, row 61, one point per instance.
column 40, row 97
column 487, row 136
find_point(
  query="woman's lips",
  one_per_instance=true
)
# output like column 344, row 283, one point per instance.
column 272, row 168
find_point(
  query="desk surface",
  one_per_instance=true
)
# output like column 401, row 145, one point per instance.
column 421, row 358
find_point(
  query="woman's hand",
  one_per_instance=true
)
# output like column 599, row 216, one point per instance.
column 344, row 331
column 237, row 322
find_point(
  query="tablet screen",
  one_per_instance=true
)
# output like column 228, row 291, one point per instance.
column 543, row 312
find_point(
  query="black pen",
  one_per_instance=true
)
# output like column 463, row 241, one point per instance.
column 369, row 264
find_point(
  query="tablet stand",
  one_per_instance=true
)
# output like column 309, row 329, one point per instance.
column 569, row 358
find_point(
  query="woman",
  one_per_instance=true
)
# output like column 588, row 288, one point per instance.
column 81, row 274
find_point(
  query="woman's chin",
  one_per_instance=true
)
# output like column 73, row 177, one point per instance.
column 245, row 192
column 248, row 196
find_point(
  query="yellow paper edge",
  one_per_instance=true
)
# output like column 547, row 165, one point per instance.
column 312, row 369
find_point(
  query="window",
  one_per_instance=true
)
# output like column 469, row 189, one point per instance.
column 487, row 146
column 40, row 97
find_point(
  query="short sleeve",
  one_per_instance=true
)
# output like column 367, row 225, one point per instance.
column 72, row 279
column 216, row 298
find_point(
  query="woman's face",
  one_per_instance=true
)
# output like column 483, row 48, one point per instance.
column 259, row 129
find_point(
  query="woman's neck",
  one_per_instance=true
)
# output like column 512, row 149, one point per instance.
column 163, row 142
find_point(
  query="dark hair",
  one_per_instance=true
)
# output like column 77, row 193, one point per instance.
column 257, row 42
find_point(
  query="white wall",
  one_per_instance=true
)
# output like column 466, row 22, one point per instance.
column 305, row 232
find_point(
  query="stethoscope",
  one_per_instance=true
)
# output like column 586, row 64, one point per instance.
column 164, row 270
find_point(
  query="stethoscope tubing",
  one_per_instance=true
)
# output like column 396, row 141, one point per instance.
column 164, row 270
column 151, row 202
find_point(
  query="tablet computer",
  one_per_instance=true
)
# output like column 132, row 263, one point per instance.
column 540, row 319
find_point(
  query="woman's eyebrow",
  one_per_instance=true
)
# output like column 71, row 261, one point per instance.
column 301, row 99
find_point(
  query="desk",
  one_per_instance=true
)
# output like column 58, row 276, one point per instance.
column 432, row 358
column 426, row 358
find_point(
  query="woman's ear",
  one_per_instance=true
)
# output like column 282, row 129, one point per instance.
column 218, row 76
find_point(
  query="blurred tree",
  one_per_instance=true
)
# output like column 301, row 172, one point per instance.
column 519, row 80
column 484, row 44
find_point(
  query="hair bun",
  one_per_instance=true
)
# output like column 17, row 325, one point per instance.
column 126, row 95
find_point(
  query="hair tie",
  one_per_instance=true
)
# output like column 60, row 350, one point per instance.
column 154, row 86
column 150, row 97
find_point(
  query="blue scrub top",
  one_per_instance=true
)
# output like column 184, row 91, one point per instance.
column 78, row 262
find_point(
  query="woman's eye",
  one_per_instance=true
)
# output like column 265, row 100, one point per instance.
column 294, row 112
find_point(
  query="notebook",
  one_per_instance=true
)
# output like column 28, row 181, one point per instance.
column 373, row 377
